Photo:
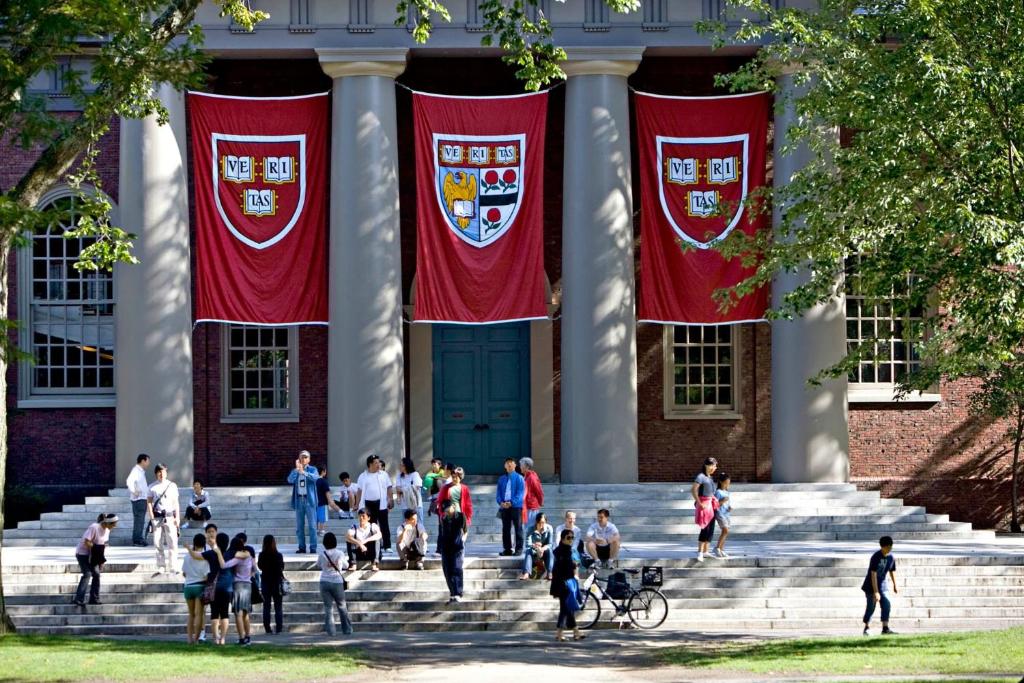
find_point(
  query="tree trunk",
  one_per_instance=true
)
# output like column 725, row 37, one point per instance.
column 6, row 625
column 1014, row 479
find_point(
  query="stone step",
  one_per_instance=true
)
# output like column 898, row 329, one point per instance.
column 726, row 625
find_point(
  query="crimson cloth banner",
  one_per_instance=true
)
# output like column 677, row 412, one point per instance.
column 260, row 174
column 700, row 159
column 479, row 203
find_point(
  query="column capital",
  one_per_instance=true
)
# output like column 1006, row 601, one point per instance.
column 338, row 62
column 601, row 61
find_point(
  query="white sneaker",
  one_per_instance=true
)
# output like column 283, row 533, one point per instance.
column 202, row 636
column 185, row 525
column 700, row 557
column 457, row 598
column 721, row 553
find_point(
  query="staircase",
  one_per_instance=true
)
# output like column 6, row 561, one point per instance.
column 800, row 556
column 737, row 595
column 644, row 513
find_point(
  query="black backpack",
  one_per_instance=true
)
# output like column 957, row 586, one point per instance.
column 618, row 585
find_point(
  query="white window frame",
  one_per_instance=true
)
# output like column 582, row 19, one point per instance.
column 673, row 411
column 259, row 415
column 28, row 395
column 878, row 392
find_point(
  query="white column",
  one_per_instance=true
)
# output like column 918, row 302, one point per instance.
column 365, row 385
column 153, row 315
column 810, row 435
column 599, row 402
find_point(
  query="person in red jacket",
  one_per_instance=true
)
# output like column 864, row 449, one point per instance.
column 534, row 492
column 458, row 493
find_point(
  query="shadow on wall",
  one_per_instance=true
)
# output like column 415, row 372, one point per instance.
column 972, row 488
column 24, row 502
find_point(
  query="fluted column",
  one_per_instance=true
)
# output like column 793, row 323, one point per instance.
column 153, row 316
column 365, row 385
column 810, row 435
column 599, row 384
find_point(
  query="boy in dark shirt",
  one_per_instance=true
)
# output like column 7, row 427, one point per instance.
column 323, row 499
column 881, row 577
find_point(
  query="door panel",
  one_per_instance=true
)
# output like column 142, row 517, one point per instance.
column 481, row 394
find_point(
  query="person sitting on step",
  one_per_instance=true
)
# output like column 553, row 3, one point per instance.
column 411, row 540
column 198, row 510
column 363, row 539
column 603, row 540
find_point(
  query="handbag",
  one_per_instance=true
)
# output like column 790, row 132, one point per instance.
column 257, row 588
column 209, row 590
column 572, row 594
column 286, row 586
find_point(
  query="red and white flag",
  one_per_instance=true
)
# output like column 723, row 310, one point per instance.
column 479, row 203
column 700, row 160
column 260, row 174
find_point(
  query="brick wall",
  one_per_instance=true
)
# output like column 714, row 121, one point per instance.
column 937, row 455
column 57, row 452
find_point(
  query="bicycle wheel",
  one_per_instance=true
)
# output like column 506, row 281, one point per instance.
column 590, row 610
column 647, row 608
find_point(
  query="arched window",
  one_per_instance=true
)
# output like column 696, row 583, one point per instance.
column 67, row 317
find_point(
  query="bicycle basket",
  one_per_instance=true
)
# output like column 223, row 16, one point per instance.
column 618, row 586
column 651, row 576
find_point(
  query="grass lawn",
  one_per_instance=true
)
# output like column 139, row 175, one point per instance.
column 990, row 652
column 59, row 658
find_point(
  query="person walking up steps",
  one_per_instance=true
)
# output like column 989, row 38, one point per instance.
column 138, row 492
column 880, row 579
column 722, row 513
column 303, row 480
column 704, row 503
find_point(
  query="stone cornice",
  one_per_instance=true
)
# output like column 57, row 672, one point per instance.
column 341, row 62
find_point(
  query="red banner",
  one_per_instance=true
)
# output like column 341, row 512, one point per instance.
column 479, row 202
column 700, row 160
column 260, row 173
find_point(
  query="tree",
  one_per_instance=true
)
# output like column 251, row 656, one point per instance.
column 526, row 42
column 922, row 203
column 925, row 196
column 1002, row 397
column 132, row 46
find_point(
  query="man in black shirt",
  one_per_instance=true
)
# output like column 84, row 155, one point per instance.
column 880, row 578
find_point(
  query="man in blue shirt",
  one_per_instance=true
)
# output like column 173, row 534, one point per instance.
column 510, row 493
column 303, row 480
column 880, row 579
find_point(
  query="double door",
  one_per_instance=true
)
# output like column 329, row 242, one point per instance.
column 481, row 395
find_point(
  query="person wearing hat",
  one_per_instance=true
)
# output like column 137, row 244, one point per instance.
column 705, row 504
column 89, row 553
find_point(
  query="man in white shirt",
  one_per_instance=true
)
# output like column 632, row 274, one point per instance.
column 164, row 509
column 570, row 523
column 138, row 491
column 603, row 540
column 375, row 495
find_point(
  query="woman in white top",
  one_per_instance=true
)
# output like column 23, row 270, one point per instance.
column 89, row 553
column 195, row 571
column 409, row 486
column 332, row 563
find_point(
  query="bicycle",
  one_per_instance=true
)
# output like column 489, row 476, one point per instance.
column 646, row 607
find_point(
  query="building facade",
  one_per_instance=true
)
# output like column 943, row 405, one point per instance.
column 590, row 394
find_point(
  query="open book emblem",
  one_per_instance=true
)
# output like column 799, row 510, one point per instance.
column 702, row 184
column 259, row 185
column 479, row 183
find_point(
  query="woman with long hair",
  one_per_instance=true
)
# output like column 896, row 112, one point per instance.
column 705, row 504
column 565, row 586
column 538, row 547
column 244, row 565
column 271, row 564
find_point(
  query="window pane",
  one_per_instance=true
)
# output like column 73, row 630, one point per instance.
column 263, row 384
column 702, row 372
